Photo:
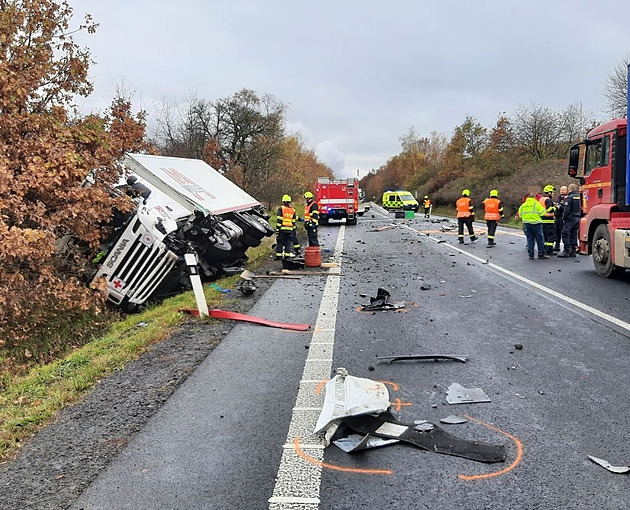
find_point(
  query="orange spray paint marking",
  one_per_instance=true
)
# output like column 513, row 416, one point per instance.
column 517, row 461
column 398, row 404
column 308, row 458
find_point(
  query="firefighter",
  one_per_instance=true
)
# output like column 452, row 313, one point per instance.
column 549, row 218
column 571, row 222
column 311, row 218
column 562, row 197
column 493, row 213
column 285, row 228
column 426, row 203
column 465, row 216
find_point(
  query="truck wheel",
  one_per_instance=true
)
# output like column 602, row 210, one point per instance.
column 602, row 256
column 353, row 221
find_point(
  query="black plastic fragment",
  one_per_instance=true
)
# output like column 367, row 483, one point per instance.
column 435, row 357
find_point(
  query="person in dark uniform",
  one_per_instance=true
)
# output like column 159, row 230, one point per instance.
column 571, row 222
column 560, row 203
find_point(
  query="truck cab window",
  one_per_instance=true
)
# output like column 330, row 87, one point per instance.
column 597, row 154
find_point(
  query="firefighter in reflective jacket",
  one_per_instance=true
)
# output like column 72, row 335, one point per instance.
column 549, row 218
column 426, row 203
column 465, row 216
column 311, row 218
column 285, row 226
column 493, row 213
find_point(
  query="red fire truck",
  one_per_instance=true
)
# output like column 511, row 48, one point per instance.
column 601, row 164
column 337, row 199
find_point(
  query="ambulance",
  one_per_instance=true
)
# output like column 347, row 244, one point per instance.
column 400, row 200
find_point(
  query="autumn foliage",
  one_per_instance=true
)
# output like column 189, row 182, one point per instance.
column 47, row 152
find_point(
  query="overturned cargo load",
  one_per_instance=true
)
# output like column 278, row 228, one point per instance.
column 183, row 206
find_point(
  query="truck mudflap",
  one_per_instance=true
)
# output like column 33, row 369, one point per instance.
column 135, row 266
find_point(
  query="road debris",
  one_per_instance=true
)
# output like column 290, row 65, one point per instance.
column 247, row 287
column 434, row 357
column 382, row 229
column 466, row 296
column 457, row 394
column 425, row 287
column 606, row 465
column 382, row 302
column 451, row 419
column 223, row 314
column 434, row 439
column 359, row 442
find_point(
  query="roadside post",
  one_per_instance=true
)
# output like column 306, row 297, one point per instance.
column 193, row 271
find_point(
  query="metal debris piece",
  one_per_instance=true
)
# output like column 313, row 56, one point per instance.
column 349, row 396
column 382, row 302
column 381, row 229
column 435, row 357
column 466, row 296
column 457, row 394
column 424, row 427
column 606, row 465
column 451, row 419
column 425, row 287
column 358, row 442
column 434, row 440
column 247, row 287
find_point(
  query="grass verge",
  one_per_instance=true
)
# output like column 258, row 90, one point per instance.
column 30, row 400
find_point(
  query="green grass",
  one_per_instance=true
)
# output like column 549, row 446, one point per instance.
column 30, row 400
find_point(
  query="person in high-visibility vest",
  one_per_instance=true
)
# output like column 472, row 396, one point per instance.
column 549, row 218
column 426, row 203
column 530, row 212
column 311, row 219
column 465, row 216
column 285, row 227
column 493, row 212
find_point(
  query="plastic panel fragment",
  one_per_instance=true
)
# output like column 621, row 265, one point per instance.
column 457, row 394
column 606, row 465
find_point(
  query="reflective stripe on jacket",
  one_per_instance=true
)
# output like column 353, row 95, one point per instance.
column 285, row 219
column 531, row 210
column 493, row 209
column 311, row 213
column 464, row 208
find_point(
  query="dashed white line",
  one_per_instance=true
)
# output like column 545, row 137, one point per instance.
column 298, row 485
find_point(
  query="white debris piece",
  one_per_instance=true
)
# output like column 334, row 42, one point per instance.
column 351, row 396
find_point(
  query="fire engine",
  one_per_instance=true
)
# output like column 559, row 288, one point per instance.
column 601, row 163
column 337, row 199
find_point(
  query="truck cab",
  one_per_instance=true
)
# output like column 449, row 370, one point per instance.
column 599, row 162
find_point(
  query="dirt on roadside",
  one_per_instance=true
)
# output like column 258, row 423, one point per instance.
column 58, row 463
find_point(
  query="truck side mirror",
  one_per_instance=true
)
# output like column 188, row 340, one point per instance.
column 574, row 160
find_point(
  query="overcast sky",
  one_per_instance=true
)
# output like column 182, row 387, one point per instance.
column 358, row 74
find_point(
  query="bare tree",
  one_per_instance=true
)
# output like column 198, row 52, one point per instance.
column 616, row 88
column 538, row 130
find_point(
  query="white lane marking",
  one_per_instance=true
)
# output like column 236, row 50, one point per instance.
column 290, row 487
column 546, row 290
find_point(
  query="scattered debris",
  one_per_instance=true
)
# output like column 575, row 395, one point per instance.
column 606, row 465
column 356, row 442
column 327, row 265
column 457, row 394
column 347, row 396
column 219, row 288
column 382, row 303
column 247, row 287
column 466, row 296
column 293, row 263
column 425, row 287
column 435, row 357
column 518, row 346
column 382, row 229
column 434, row 440
column 447, row 228
column 451, row 419
column 305, row 273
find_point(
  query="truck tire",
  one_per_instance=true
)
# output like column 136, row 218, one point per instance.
column 353, row 221
column 323, row 220
column 602, row 257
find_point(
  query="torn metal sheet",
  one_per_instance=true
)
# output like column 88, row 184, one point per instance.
column 350, row 396
column 358, row 442
column 451, row 419
column 457, row 394
column 435, row 357
column 606, row 465
column 382, row 302
column 434, row 440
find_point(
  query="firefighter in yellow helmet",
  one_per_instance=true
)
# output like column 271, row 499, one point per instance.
column 549, row 218
column 465, row 216
column 311, row 218
column 426, row 203
column 493, row 212
column 285, row 227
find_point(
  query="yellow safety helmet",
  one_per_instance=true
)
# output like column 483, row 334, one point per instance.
column 550, row 188
column 308, row 195
column 466, row 193
column 494, row 193
column 286, row 198
column 426, row 196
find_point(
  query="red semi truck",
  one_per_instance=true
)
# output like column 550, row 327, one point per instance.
column 337, row 199
column 601, row 164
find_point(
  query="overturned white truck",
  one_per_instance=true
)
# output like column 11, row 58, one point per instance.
column 184, row 206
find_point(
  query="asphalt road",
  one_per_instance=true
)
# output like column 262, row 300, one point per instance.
column 238, row 433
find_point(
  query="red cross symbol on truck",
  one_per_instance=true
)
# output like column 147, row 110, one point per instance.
column 118, row 283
